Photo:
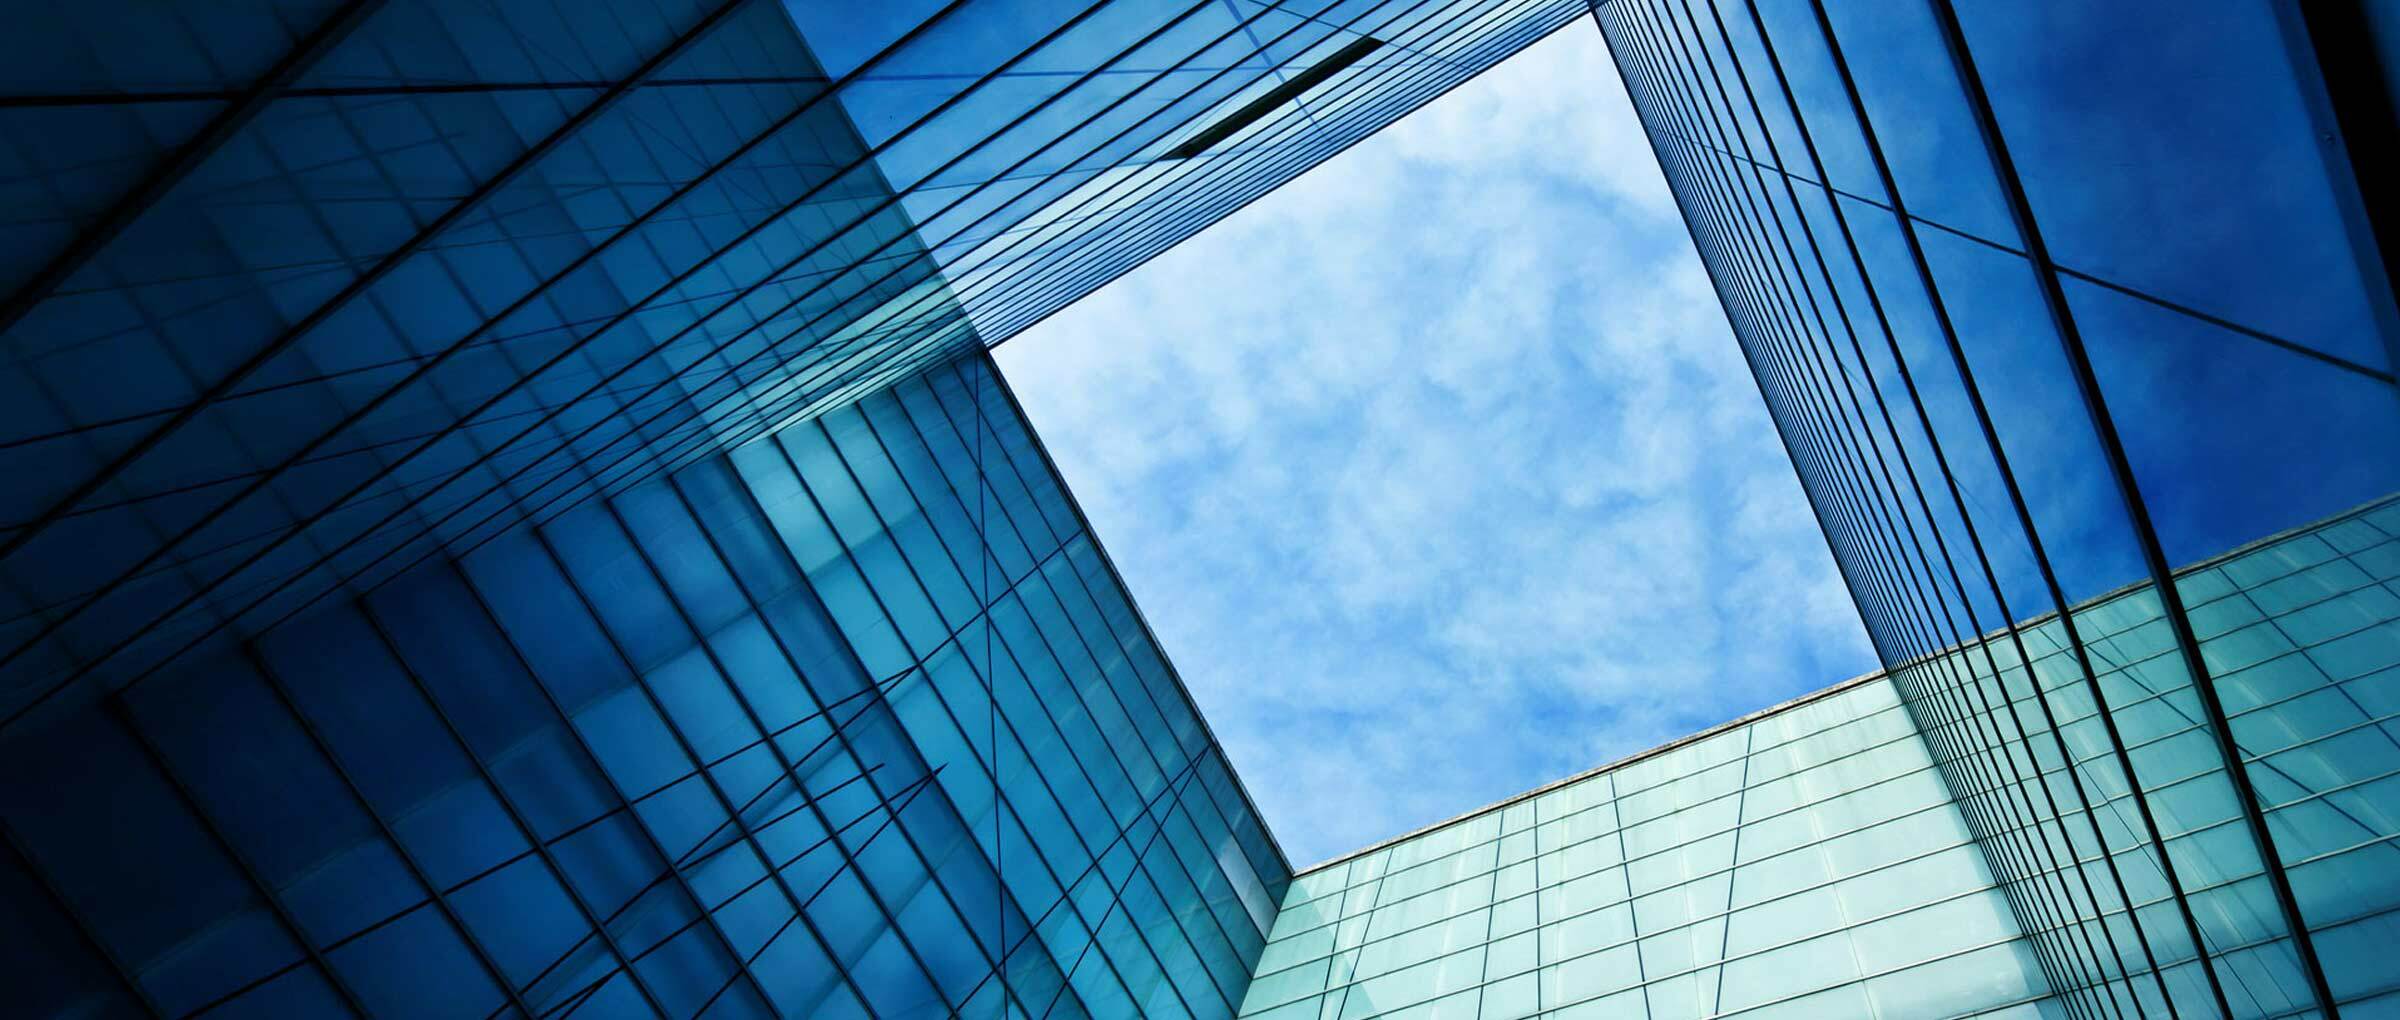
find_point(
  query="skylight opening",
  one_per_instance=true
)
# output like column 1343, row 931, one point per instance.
column 1441, row 444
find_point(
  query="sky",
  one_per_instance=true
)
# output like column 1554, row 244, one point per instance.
column 1438, row 471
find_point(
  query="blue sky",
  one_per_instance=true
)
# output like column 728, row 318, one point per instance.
column 1438, row 470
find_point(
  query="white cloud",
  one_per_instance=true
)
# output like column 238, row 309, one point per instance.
column 1438, row 469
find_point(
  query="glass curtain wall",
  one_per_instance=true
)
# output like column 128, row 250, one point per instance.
column 2049, row 301
column 319, row 289
column 1806, row 863
column 1131, row 123
column 858, row 723
column 448, row 268
column 2301, row 634
column 513, row 492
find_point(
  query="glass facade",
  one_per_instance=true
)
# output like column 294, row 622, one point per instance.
column 318, row 289
column 2062, row 309
column 1809, row 863
column 457, row 269
column 508, row 514
column 855, row 723
column 1823, row 859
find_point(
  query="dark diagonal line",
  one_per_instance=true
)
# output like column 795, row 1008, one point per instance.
column 243, row 108
column 382, row 268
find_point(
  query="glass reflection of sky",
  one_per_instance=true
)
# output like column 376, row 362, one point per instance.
column 2200, row 235
column 2188, row 170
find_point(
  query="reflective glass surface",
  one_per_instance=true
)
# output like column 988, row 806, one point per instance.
column 2075, row 323
column 507, row 513
column 857, row 723
column 1806, row 864
column 316, row 289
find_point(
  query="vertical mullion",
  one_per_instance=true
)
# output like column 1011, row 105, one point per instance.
column 1001, row 803
column 2162, row 574
column 987, row 370
column 849, row 556
column 1878, row 550
column 1966, row 520
column 408, row 858
column 1987, row 713
column 994, row 765
column 1633, row 917
column 851, row 472
column 1733, row 865
column 750, row 714
column 990, row 370
column 1999, row 454
column 699, row 764
column 507, row 804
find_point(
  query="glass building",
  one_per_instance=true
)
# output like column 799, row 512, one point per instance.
column 854, row 722
column 2062, row 310
column 1807, row 862
column 508, row 514
column 1827, row 857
